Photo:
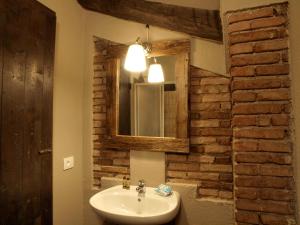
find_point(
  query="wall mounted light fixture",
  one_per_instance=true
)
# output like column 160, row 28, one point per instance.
column 135, row 60
column 155, row 73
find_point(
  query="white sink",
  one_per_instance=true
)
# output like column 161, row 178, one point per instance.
column 122, row 206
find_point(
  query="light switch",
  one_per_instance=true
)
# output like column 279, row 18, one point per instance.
column 68, row 162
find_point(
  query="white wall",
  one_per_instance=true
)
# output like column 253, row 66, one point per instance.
column 67, row 110
column 205, row 54
column 73, row 81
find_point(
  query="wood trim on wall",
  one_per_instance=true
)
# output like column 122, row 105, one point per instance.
column 114, row 53
column 111, row 98
column 158, row 144
column 182, row 95
column 159, row 48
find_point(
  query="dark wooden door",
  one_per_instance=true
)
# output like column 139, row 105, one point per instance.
column 27, row 36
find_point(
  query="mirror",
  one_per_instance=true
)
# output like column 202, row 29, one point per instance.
column 148, row 116
column 148, row 109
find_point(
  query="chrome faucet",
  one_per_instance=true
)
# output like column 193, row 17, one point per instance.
column 141, row 189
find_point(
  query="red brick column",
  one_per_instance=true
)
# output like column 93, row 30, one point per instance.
column 263, row 172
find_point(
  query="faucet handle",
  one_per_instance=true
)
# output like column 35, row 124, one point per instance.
column 141, row 183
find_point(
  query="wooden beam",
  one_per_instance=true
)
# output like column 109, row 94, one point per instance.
column 193, row 21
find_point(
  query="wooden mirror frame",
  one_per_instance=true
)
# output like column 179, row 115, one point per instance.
column 114, row 54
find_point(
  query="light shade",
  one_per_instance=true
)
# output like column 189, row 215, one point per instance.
column 155, row 74
column 135, row 59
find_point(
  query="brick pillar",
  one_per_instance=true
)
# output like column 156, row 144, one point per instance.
column 106, row 162
column 263, row 172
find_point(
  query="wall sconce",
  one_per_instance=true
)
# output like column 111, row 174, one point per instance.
column 135, row 60
column 155, row 74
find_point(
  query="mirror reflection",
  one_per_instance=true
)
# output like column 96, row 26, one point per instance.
column 147, row 108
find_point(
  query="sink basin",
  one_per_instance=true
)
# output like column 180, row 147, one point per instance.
column 123, row 206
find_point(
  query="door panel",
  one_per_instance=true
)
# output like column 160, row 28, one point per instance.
column 12, row 134
column 2, row 187
column 47, row 121
column 26, row 50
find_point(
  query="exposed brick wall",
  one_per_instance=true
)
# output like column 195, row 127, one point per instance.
column 209, row 163
column 262, row 150
column 248, row 114
column 106, row 162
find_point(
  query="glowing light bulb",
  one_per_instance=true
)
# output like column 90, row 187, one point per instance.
column 135, row 59
column 155, row 74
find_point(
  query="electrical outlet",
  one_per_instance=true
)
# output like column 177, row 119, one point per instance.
column 68, row 162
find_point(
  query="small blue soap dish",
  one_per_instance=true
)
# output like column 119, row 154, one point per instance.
column 163, row 190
